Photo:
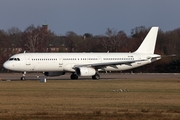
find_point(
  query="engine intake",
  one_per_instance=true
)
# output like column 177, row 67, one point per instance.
column 85, row 71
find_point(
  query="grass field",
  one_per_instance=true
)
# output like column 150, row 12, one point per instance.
column 90, row 99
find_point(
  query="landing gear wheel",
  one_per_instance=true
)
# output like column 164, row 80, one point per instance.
column 74, row 76
column 23, row 78
column 96, row 77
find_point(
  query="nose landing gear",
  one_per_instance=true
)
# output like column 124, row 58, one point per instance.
column 23, row 77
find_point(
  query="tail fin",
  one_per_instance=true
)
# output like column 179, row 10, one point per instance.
column 148, row 45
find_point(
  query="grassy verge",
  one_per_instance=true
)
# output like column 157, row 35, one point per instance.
column 89, row 99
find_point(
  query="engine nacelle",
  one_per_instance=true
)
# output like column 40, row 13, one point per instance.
column 52, row 74
column 85, row 71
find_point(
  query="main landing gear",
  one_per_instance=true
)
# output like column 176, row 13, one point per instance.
column 23, row 77
column 74, row 76
column 96, row 76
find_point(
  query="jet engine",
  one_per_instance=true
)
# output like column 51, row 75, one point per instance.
column 52, row 74
column 85, row 71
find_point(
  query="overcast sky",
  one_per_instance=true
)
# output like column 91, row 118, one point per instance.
column 90, row 16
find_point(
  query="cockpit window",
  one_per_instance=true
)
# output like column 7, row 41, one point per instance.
column 14, row 59
column 11, row 59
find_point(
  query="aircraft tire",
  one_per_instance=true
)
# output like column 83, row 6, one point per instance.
column 23, row 78
column 96, row 77
column 74, row 77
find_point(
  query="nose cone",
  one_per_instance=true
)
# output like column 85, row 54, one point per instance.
column 11, row 65
column 6, row 65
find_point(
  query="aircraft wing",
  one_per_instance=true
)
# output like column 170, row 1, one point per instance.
column 104, row 64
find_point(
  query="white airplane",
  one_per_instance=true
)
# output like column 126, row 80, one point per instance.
column 84, row 64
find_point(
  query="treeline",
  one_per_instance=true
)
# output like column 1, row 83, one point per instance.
column 41, row 39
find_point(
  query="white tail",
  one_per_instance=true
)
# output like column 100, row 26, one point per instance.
column 148, row 45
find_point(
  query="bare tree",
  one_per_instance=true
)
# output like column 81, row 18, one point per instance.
column 4, row 46
column 114, row 40
column 35, row 39
column 14, row 35
column 121, row 40
column 73, row 41
column 13, row 31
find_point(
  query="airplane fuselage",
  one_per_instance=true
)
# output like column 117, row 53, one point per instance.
column 66, row 61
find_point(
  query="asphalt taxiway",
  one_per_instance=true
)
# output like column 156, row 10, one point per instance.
column 104, row 76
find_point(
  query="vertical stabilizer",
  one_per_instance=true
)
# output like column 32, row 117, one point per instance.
column 148, row 45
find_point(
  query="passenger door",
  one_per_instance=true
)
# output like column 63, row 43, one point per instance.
column 28, row 60
column 60, row 60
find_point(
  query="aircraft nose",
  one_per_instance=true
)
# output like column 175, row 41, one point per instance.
column 6, row 65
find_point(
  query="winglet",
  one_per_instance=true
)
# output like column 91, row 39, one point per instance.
column 148, row 45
